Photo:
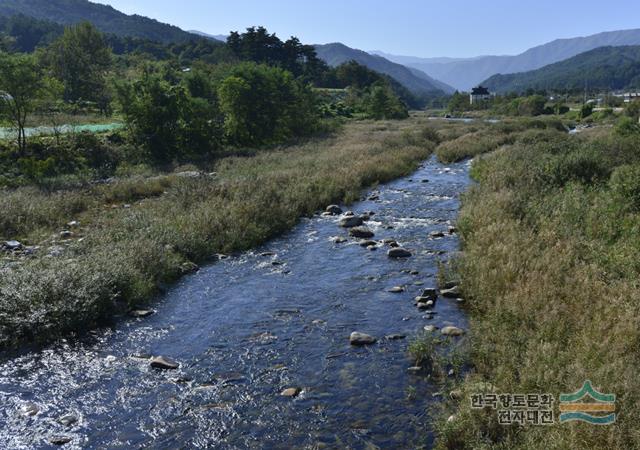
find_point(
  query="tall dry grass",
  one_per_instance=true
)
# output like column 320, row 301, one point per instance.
column 550, row 268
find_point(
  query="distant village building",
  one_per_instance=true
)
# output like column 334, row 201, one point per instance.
column 479, row 94
column 631, row 96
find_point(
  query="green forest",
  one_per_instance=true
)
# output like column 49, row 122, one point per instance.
column 186, row 102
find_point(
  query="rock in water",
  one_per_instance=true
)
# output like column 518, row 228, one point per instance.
column 399, row 252
column 12, row 245
column 140, row 313
column 291, row 392
column 436, row 234
column 450, row 284
column 456, row 395
column 361, row 232
column 60, row 440
column 431, row 293
column 396, row 290
column 68, row 420
column 395, row 337
column 350, row 221
column 333, row 210
column 452, row 331
column 189, row 174
column 454, row 292
column 164, row 363
column 358, row 338
column 29, row 409
column 189, row 267
column 430, row 328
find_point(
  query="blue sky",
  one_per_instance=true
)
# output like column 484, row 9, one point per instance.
column 408, row 27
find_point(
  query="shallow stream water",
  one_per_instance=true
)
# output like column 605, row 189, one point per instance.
column 244, row 329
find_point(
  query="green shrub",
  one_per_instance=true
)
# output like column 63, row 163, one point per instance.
column 626, row 126
column 625, row 185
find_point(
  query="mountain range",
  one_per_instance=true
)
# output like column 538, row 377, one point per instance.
column 554, row 65
column 413, row 79
column 603, row 68
column 464, row 73
column 104, row 17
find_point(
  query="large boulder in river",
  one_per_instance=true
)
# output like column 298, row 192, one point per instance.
column 361, row 232
column 350, row 221
column 333, row 210
column 358, row 338
column 399, row 252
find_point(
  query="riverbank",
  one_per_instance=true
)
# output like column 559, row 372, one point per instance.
column 549, row 270
column 86, row 254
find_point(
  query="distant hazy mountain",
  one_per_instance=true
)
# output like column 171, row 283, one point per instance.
column 104, row 17
column 466, row 73
column 415, row 80
column 405, row 60
column 604, row 68
column 215, row 37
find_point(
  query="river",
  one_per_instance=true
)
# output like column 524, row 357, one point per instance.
column 244, row 329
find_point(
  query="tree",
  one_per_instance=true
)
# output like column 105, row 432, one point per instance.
column 151, row 107
column 257, row 45
column 381, row 103
column 166, row 121
column 532, row 105
column 459, row 102
column 80, row 58
column 356, row 75
column 263, row 104
column 586, row 110
column 22, row 86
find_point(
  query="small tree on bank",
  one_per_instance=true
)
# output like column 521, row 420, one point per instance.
column 22, row 87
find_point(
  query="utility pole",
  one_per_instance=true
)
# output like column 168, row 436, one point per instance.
column 585, row 91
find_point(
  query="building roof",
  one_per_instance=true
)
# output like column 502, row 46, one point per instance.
column 480, row 91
